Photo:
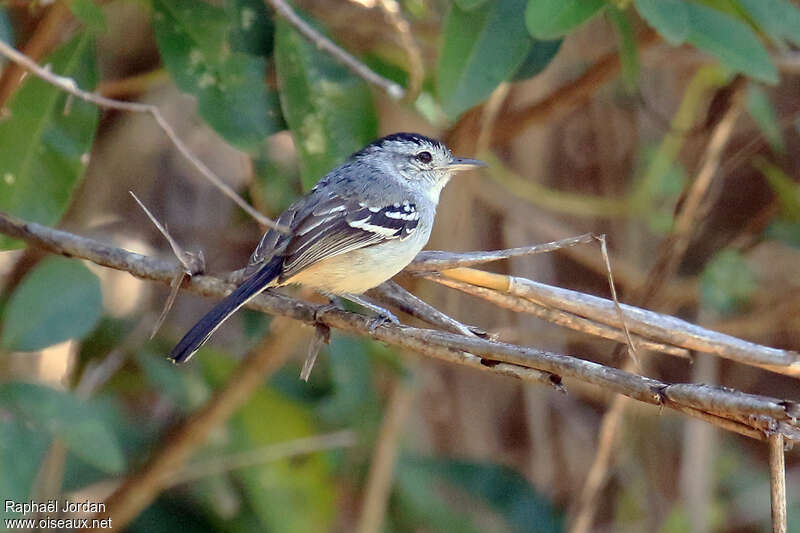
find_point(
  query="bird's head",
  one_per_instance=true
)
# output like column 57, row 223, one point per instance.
column 417, row 159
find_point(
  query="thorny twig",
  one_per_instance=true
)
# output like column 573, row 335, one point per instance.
column 192, row 264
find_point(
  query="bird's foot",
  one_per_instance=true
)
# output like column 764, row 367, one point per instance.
column 383, row 315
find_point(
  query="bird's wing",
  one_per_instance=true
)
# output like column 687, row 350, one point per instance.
column 340, row 225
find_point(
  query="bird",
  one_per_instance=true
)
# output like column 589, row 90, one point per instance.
column 361, row 224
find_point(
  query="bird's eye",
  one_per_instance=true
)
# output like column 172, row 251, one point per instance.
column 424, row 157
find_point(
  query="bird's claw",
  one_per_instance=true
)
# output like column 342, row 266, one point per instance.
column 382, row 319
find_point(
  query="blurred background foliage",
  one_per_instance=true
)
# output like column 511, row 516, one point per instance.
column 594, row 115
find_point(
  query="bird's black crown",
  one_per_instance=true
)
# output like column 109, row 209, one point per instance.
column 415, row 138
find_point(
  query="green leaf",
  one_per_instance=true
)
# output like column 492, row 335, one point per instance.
column 506, row 492
column 90, row 14
column 629, row 54
column 780, row 19
column 328, row 109
column 731, row 41
column 63, row 415
column 232, row 95
column 760, row 108
column 353, row 401
column 670, row 18
column 22, row 451
column 480, row 49
column 252, row 29
column 58, row 300
column 185, row 389
column 493, row 487
column 549, row 19
column 290, row 495
column 727, row 282
column 468, row 5
column 46, row 141
column 539, row 56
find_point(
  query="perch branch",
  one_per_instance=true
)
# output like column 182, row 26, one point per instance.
column 492, row 356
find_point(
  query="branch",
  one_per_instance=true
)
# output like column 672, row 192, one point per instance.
column 753, row 415
column 68, row 85
column 323, row 43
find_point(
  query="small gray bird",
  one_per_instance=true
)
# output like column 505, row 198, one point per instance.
column 360, row 225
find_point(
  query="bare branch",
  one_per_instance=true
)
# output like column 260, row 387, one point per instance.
column 391, row 293
column 433, row 261
column 656, row 326
column 323, row 43
column 562, row 318
column 68, row 85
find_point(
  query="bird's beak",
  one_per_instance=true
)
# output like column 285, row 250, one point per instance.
column 459, row 163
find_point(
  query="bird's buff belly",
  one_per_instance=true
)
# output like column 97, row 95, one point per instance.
column 357, row 271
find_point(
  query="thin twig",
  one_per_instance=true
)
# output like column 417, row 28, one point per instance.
column 612, row 287
column 344, row 57
column 777, row 482
column 70, row 86
column 432, row 261
column 322, row 335
column 193, row 263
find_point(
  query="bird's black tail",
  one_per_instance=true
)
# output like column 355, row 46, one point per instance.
column 206, row 326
